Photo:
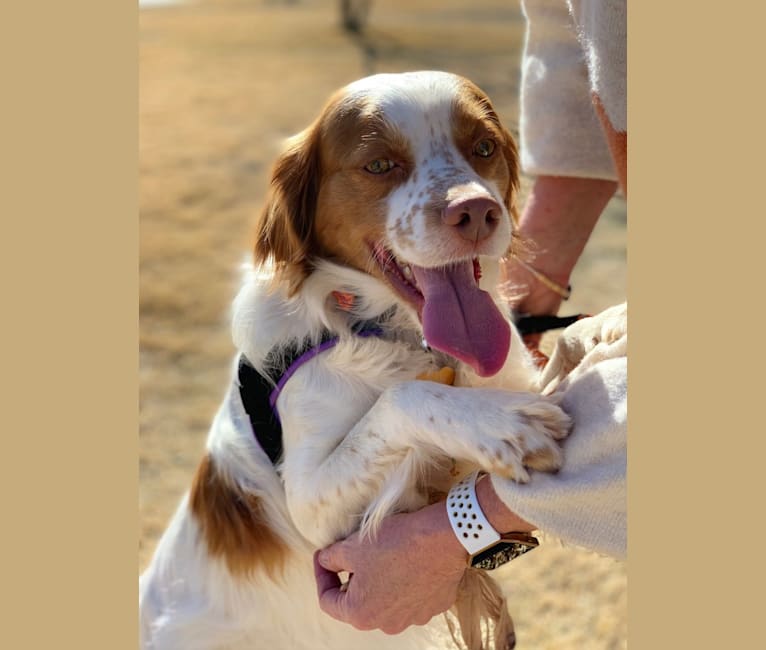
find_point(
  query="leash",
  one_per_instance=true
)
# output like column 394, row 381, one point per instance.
column 532, row 329
column 527, row 324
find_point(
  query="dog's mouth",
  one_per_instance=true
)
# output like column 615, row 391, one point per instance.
column 458, row 317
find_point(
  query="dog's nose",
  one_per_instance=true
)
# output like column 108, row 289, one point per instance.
column 474, row 218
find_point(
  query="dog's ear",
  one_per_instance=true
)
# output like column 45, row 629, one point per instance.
column 511, row 155
column 284, row 230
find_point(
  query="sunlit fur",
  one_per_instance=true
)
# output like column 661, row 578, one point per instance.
column 361, row 437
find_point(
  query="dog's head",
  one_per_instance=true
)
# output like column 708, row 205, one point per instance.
column 410, row 178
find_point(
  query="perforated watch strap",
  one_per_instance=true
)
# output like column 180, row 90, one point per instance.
column 471, row 527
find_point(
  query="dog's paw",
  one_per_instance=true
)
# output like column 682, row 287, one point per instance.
column 530, row 441
column 546, row 425
column 545, row 414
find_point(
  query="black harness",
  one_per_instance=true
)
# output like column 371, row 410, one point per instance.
column 254, row 389
column 259, row 392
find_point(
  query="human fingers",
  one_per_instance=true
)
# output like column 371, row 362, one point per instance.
column 326, row 579
column 335, row 558
column 332, row 600
column 423, row 618
column 339, row 602
column 396, row 623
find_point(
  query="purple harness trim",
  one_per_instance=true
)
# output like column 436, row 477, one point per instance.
column 307, row 356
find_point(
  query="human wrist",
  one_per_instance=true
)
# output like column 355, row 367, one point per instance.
column 497, row 513
column 478, row 530
column 558, row 218
column 433, row 529
column 538, row 301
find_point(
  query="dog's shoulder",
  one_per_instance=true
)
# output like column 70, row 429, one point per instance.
column 265, row 316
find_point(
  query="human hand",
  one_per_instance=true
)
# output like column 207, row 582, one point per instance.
column 581, row 339
column 405, row 576
column 529, row 294
column 410, row 571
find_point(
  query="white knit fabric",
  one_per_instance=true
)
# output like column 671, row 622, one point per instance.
column 602, row 31
column 585, row 504
column 573, row 48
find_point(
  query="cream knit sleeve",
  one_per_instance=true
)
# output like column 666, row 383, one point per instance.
column 560, row 131
column 585, row 503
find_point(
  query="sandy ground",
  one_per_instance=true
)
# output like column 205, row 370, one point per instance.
column 221, row 84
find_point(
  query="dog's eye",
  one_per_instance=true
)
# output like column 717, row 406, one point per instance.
column 380, row 166
column 484, row 148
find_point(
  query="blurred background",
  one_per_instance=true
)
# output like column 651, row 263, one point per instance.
column 222, row 83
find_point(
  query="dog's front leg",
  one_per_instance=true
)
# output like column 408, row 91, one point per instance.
column 332, row 478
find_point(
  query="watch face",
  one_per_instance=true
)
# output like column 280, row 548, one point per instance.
column 504, row 551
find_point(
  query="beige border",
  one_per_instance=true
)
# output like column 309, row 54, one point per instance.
column 692, row 158
column 69, row 325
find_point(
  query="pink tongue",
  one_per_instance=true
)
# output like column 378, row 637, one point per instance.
column 461, row 319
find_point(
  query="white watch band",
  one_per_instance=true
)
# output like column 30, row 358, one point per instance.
column 471, row 527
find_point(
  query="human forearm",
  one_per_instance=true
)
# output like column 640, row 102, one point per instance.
column 618, row 144
column 497, row 513
column 558, row 218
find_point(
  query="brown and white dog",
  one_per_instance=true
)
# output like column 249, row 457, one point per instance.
column 385, row 226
